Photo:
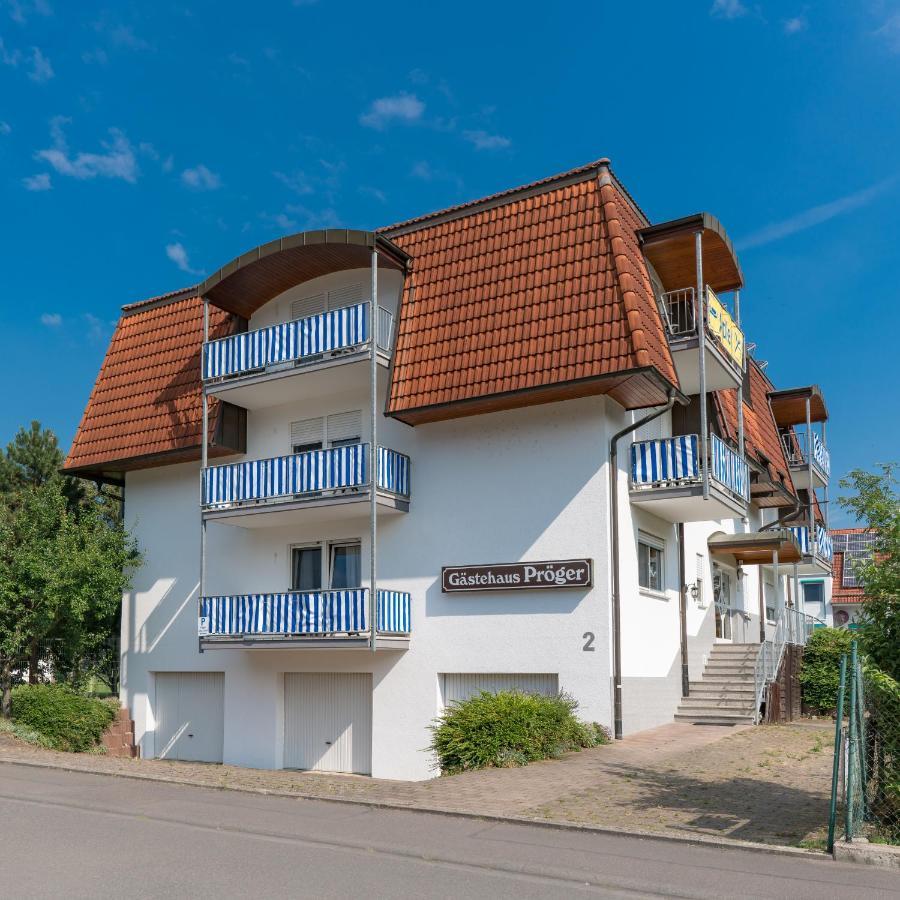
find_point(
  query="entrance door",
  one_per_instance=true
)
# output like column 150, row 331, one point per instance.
column 190, row 715
column 328, row 721
column 723, row 599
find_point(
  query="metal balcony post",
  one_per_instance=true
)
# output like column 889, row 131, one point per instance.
column 779, row 603
column 700, row 313
column 827, row 476
column 812, row 493
column 740, row 393
column 373, row 461
column 204, row 460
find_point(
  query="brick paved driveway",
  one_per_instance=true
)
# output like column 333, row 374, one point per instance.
column 767, row 783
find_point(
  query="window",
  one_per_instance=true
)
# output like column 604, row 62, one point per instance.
column 814, row 598
column 769, row 591
column 336, row 430
column 327, row 300
column 651, row 558
column 333, row 566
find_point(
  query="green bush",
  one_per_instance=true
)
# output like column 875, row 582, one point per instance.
column 509, row 728
column 66, row 719
column 820, row 670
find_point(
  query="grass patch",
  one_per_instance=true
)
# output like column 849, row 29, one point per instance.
column 24, row 733
column 508, row 729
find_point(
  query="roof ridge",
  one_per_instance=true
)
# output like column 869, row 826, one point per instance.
column 508, row 193
column 160, row 299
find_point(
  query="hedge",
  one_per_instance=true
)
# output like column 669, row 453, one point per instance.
column 66, row 719
column 507, row 729
column 820, row 670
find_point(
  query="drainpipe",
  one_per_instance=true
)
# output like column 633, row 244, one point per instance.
column 614, row 512
column 204, row 461
column 740, row 393
column 373, row 460
column 682, row 614
column 812, row 493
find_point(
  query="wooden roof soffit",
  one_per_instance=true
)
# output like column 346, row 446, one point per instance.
column 789, row 406
column 253, row 279
column 757, row 549
column 669, row 248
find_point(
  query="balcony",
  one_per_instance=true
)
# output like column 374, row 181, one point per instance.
column 667, row 479
column 817, row 553
column 336, row 483
column 807, row 468
column 317, row 620
column 724, row 341
column 235, row 367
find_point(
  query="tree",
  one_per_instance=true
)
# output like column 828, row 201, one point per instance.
column 875, row 502
column 33, row 458
column 62, row 573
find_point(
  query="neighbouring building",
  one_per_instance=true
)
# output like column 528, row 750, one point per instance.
column 515, row 443
column 840, row 597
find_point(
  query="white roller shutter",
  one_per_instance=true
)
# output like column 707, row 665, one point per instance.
column 190, row 715
column 309, row 306
column 462, row 685
column 344, row 427
column 346, row 296
column 308, row 431
column 328, row 722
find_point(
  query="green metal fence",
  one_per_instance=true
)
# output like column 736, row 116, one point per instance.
column 865, row 786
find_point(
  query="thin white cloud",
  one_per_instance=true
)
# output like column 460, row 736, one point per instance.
column 20, row 10
column 41, row 70
column 116, row 161
column 201, row 179
column 98, row 55
column 119, row 35
column 816, row 215
column 51, row 320
column 422, row 170
column 890, row 32
column 482, row 140
column 179, row 256
column 374, row 192
column 299, row 182
column 96, row 328
column 795, row 25
column 9, row 57
column 728, row 9
column 404, row 108
column 39, row 182
column 5, row 127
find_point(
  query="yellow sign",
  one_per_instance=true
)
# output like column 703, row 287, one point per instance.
column 723, row 327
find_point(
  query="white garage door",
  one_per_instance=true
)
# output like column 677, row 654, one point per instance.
column 190, row 715
column 462, row 685
column 328, row 721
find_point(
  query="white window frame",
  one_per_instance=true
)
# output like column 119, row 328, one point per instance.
column 655, row 543
column 326, row 547
column 327, row 443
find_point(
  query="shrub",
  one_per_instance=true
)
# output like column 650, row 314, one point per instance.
column 509, row 728
column 820, row 670
column 66, row 719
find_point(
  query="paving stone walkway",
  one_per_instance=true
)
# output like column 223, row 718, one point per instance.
column 768, row 783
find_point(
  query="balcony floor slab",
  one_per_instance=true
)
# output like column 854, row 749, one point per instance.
column 685, row 503
column 383, row 642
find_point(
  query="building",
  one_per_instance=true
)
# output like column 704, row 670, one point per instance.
column 839, row 599
column 515, row 443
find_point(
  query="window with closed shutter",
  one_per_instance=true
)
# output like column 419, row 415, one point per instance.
column 309, row 306
column 344, row 428
column 308, row 434
column 345, row 296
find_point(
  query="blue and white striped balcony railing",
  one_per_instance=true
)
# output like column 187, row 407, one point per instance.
column 670, row 462
column 313, row 472
column 304, row 613
column 796, row 446
column 821, row 456
column 729, row 468
column 824, row 547
column 286, row 342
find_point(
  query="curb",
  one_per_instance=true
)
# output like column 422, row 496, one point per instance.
column 696, row 840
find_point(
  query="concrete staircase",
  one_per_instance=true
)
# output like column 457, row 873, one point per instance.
column 726, row 693
column 118, row 739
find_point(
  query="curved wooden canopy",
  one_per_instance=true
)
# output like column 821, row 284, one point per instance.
column 669, row 247
column 252, row 279
column 789, row 406
column 757, row 548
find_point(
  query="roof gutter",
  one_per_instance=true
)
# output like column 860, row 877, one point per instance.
column 614, row 515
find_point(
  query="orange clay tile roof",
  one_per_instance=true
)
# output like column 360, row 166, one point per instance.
column 146, row 400
column 839, row 593
column 534, row 287
column 760, row 431
column 542, row 289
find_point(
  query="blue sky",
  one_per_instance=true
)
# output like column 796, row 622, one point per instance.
column 142, row 145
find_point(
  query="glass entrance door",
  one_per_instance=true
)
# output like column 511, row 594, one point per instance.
column 723, row 604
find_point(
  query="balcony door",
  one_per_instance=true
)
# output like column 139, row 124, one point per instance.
column 332, row 566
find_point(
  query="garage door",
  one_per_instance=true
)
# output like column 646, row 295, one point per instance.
column 328, row 722
column 190, row 715
column 462, row 685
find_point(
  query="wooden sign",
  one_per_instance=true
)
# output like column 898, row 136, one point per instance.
column 525, row 576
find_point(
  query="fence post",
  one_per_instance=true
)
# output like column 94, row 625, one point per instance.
column 861, row 733
column 853, row 749
column 836, row 765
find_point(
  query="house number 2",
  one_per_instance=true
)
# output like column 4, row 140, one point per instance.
column 588, row 641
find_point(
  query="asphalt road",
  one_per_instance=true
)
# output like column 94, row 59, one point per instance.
column 73, row 835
